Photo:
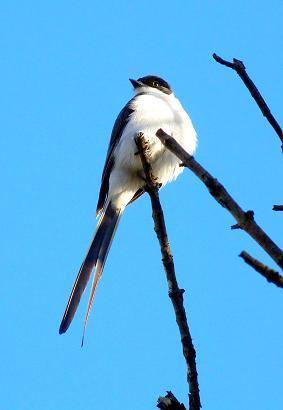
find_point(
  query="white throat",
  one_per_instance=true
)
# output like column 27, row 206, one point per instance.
column 152, row 91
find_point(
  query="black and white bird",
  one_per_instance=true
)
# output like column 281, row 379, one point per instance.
column 154, row 106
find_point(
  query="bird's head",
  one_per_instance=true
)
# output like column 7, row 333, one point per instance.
column 149, row 83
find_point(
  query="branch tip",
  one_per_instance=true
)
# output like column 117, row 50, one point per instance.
column 169, row 402
column 236, row 226
column 277, row 208
column 240, row 68
column 269, row 274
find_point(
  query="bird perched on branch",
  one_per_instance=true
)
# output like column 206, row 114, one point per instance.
column 153, row 106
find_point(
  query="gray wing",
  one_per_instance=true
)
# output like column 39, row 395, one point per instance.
column 117, row 131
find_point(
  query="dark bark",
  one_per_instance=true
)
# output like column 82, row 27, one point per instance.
column 240, row 69
column 245, row 220
column 269, row 274
column 277, row 208
column 169, row 402
column 175, row 293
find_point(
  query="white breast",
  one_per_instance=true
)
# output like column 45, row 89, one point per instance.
column 152, row 111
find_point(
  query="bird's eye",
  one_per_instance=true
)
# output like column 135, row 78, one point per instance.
column 155, row 84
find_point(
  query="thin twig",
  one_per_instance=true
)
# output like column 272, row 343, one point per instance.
column 277, row 208
column 269, row 274
column 240, row 68
column 175, row 293
column 245, row 220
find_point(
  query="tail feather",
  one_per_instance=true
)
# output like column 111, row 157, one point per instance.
column 95, row 257
column 104, row 249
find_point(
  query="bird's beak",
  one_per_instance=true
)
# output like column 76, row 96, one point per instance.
column 136, row 83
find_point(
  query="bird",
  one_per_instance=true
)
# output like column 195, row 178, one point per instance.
column 152, row 107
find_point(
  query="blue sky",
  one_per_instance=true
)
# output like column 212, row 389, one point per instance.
column 64, row 71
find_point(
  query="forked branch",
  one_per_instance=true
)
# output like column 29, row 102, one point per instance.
column 245, row 220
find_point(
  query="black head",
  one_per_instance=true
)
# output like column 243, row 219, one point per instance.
column 154, row 82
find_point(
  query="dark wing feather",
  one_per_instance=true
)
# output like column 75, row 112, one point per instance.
column 139, row 193
column 117, row 131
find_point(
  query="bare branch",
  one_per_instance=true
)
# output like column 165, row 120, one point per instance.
column 175, row 293
column 169, row 402
column 277, row 208
column 245, row 220
column 240, row 68
column 269, row 274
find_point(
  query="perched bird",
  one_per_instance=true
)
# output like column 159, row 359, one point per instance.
column 153, row 106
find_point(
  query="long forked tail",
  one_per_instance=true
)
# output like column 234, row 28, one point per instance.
column 95, row 257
